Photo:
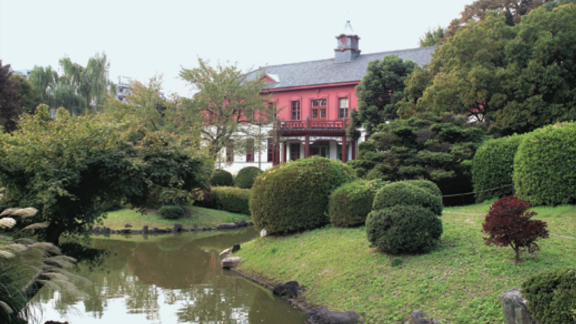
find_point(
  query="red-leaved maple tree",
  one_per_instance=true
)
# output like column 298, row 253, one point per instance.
column 509, row 223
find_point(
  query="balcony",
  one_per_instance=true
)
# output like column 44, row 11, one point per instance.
column 328, row 127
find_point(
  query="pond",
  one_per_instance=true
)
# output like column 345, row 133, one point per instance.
column 171, row 278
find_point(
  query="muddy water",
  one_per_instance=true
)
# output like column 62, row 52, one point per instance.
column 166, row 279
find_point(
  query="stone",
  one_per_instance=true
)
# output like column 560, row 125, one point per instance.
column 231, row 262
column 96, row 230
column 249, row 224
column 177, row 227
column 322, row 315
column 224, row 253
column 127, row 226
column 240, row 223
column 195, row 226
column 288, row 289
column 263, row 232
column 126, row 231
column 136, row 232
column 155, row 230
column 235, row 247
column 228, row 226
column 55, row 322
column 515, row 307
column 145, row 229
column 418, row 317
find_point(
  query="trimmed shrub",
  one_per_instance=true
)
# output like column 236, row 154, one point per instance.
column 429, row 186
column 552, row 296
column 405, row 193
column 361, row 166
column 403, row 229
column 171, row 212
column 493, row 165
column 294, row 196
column 231, row 199
column 350, row 203
column 545, row 166
column 245, row 177
column 221, row 178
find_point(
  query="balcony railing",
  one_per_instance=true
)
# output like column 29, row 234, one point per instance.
column 313, row 124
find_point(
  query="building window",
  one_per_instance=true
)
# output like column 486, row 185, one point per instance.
column 319, row 109
column 230, row 151
column 250, row 150
column 294, row 151
column 343, row 108
column 270, row 150
column 295, row 110
column 272, row 109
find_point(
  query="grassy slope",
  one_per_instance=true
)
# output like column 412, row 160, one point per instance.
column 457, row 283
column 203, row 217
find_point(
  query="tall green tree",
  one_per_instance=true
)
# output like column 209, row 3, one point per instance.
column 28, row 97
column 9, row 102
column 226, row 105
column 432, row 37
column 379, row 93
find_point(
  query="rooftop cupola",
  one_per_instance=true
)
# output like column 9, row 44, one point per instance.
column 347, row 43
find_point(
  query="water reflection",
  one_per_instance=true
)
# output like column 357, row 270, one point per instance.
column 168, row 279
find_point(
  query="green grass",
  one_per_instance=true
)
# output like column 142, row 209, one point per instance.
column 457, row 283
column 203, row 217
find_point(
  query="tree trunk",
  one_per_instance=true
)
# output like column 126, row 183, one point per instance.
column 517, row 255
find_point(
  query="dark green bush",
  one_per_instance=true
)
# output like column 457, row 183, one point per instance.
column 231, row 199
column 245, row 177
column 363, row 147
column 294, row 196
column 350, row 203
column 545, row 166
column 361, row 166
column 551, row 296
column 405, row 193
column 171, row 212
column 493, row 165
column 403, row 229
column 221, row 178
column 430, row 186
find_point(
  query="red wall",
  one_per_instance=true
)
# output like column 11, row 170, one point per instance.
column 305, row 95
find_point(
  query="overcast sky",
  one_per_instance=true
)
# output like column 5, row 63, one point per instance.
column 143, row 38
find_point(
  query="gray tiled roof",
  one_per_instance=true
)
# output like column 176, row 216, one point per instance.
column 326, row 71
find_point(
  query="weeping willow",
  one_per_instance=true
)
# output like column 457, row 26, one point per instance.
column 79, row 89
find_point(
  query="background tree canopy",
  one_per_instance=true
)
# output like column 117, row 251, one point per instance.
column 68, row 166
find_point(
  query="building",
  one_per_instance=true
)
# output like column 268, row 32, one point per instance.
column 317, row 97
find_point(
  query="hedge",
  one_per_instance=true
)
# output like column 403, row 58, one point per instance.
column 171, row 212
column 545, row 166
column 406, row 193
column 551, row 296
column 350, row 204
column 493, row 166
column 245, row 177
column 294, row 196
column 231, row 199
column 221, row 178
column 404, row 229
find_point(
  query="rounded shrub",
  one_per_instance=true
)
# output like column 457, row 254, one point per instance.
column 362, row 167
column 350, row 203
column 551, row 296
column 294, row 196
column 245, row 177
column 429, row 186
column 222, row 178
column 403, row 229
column 493, row 165
column 544, row 172
column 405, row 193
column 231, row 199
column 171, row 212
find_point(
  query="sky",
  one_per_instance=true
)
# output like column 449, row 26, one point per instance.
column 144, row 38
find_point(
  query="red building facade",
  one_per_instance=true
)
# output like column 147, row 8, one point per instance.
column 316, row 98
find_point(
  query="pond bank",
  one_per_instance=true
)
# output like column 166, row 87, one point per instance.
column 459, row 282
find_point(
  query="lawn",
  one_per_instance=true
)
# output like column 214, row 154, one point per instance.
column 457, row 283
column 202, row 217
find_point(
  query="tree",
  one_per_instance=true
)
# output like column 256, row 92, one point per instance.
column 68, row 166
column 28, row 97
column 79, row 89
column 439, row 149
column 379, row 92
column 9, row 104
column 509, row 224
column 227, row 104
column 432, row 37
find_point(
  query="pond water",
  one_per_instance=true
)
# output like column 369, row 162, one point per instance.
column 166, row 279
